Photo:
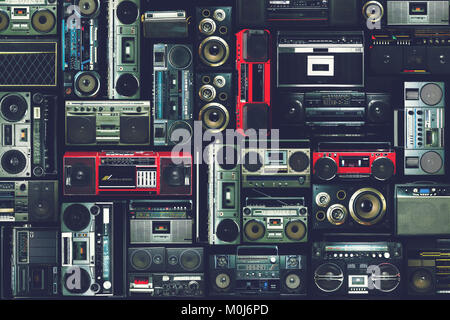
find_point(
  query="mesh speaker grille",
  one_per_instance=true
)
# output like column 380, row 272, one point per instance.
column 424, row 216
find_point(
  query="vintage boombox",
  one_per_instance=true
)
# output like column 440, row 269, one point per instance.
column 424, row 128
column 87, row 249
column 410, row 52
column 160, row 221
column 428, row 270
column 35, row 270
column 323, row 12
column 164, row 272
column 123, row 49
column 352, row 209
column 165, row 24
column 215, row 101
column 80, row 29
column 322, row 59
column 173, row 93
column 257, row 271
column 358, row 164
column 15, row 134
column 108, row 122
column 214, row 35
column 224, row 194
column 275, row 220
column 422, row 209
column 40, row 57
column 28, row 17
column 127, row 172
column 33, row 201
column 276, row 168
column 337, row 112
column 357, row 268
column 253, row 61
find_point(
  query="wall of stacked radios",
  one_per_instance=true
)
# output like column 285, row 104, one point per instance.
column 352, row 201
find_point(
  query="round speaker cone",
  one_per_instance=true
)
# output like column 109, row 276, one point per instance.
column 382, row 169
column 43, row 21
column 329, row 277
column 387, row 279
column 299, row 161
column 76, row 217
column 180, row 57
column 86, row 84
column 14, row 162
column 223, row 281
column 219, row 81
column 207, row 93
column 367, row 206
column 77, row 283
column 40, row 209
column 88, row 8
column 214, row 51
column 325, row 168
column 337, row 214
column 227, row 158
column 295, row 230
column 127, row 12
column 227, row 230
column 421, row 281
column 378, row 111
column 81, row 130
column 431, row 94
column 292, row 281
column 4, row 20
column 134, row 130
column 254, row 230
column 252, row 161
column 373, row 11
column 179, row 132
column 127, row 85
column 13, row 107
column 80, row 175
column 214, row 117
column 174, row 175
column 207, row 26
column 141, row 260
column 190, row 260
column 431, row 162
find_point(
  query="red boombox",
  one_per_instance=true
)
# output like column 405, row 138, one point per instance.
column 115, row 173
column 378, row 164
column 253, row 69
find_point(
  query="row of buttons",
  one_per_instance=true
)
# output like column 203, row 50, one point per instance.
column 385, row 255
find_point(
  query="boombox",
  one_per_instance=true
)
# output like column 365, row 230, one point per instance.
column 165, row 24
column 253, row 60
column 337, row 112
column 224, row 194
column 257, row 271
column 33, row 201
column 173, row 93
column 276, row 168
column 123, row 49
column 16, row 135
column 35, row 267
column 214, row 35
column 127, row 172
column 410, row 52
column 108, row 122
column 422, row 209
column 80, row 44
column 424, row 128
column 275, row 220
column 322, row 59
column 87, row 249
column 163, row 272
column 357, row 268
column 29, row 17
column 378, row 164
column 352, row 209
column 428, row 268
column 215, row 101
column 160, row 221
column 40, row 58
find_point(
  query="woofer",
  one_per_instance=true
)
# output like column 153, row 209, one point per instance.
column 214, row 51
column 76, row 217
column 388, row 278
column 87, row 84
column 84, row 281
column 252, row 161
column 13, row 162
column 227, row 158
column 295, row 230
column 134, row 130
column 207, row 93
column 127, row 85
column 207, row 26
column 254, row 230
column 292, row 282
column 325, row 168
column 88, row 8
column 4, row 20
column 227, row 230
column 421, row 281
column 337, row 214
column 190, row 260
column 43, row 21
column 127, row 12
column 382, row 169
column 180, row 57
column 81, row 130
column 180, row 131
column 214, row 117
column 222, row 282
column 431, row 94
column 141, row 260
column 299, row 161
column 328, row 277
column 431, row 162
column 367, row 206
column 13, row 107
column 373, row 11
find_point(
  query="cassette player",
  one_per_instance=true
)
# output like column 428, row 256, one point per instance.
column 165, row 24
column 168, row 284
column 357, row 268
column 160, row 221
column 127, row 172
column 275, row 220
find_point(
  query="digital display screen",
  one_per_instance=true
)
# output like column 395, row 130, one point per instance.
column 424, row 190
column 276, row 157
column 356, row 247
